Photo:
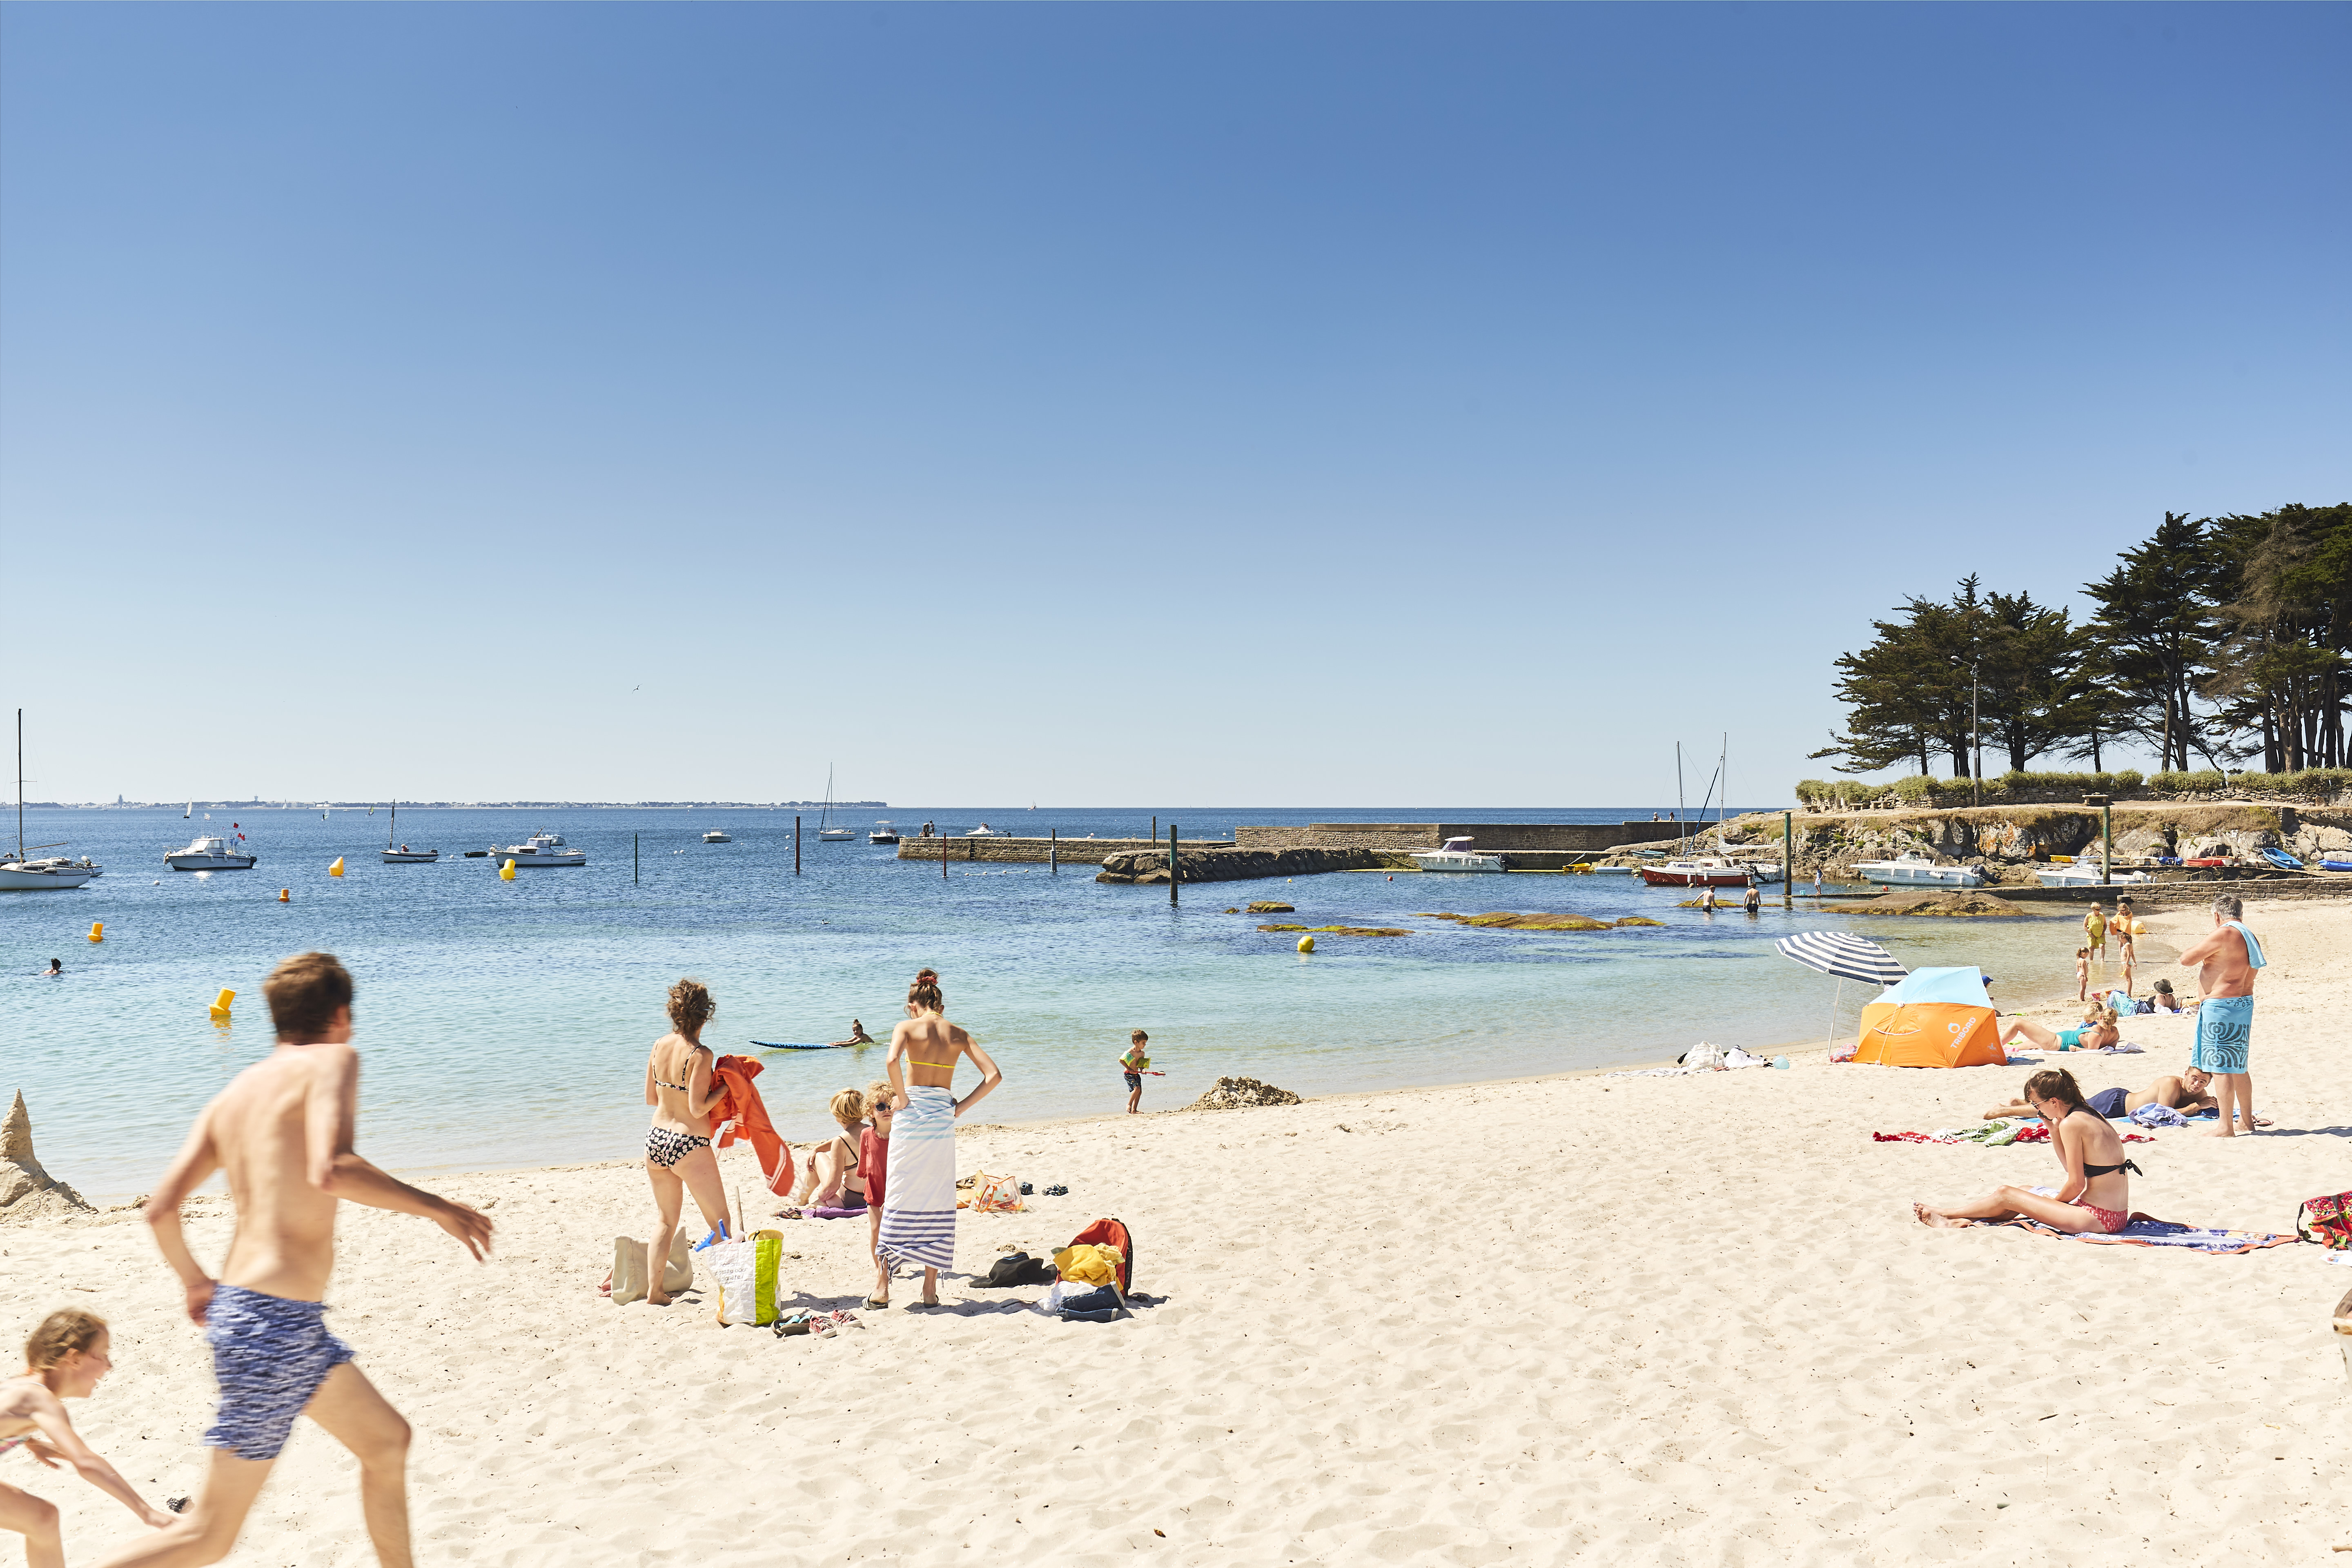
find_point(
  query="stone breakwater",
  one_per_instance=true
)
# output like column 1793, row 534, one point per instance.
column 1075, row 851
column 1143, row 866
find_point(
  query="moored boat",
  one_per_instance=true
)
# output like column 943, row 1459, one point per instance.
column 402, row 855
column 1700, row 871
column 540, row 850
column 1913, row 869
column 211, row 853
column 1455, row 855
column 882, row 834
column 2087, row 873
column 715, row 836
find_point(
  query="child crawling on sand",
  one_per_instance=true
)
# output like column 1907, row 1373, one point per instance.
column 64, row 1359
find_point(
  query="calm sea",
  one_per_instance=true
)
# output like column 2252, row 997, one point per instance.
column 505, row 1024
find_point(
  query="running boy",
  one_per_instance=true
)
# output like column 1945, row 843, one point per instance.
column 282, row 1132
column 1135, row 1064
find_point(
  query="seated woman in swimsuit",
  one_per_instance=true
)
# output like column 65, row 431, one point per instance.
column 64, row 1359
column 2096, row 1197
column 682, row 1089
column 2185, row 1092
column 2096, row 1030
column 831, row 1179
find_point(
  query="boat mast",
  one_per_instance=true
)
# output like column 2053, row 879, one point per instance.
column 20, row 786
column 1723, row 779
column 1682, row 835
column 391, row 830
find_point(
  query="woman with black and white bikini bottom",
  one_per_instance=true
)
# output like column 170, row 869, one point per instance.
column 683, row 1090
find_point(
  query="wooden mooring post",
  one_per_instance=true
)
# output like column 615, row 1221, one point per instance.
column 632, row 858
column 797, row 845
column 1788, row 859
column 1053, row 852
column 1173, row 875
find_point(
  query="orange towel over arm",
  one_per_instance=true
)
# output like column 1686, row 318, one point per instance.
column 747, row 1117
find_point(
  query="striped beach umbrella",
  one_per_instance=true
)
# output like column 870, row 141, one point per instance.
column 1845, row 955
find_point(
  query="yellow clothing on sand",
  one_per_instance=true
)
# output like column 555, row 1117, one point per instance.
column 1092, row 1263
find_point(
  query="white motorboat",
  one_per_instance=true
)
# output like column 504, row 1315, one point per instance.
column 540, row 850
column 1913, row 869
column 402, row 855
column 1701, row 872
column 1455, row 855
column 985, row 831
column 882, row 834
column 715, row 836
column 211, row 853
column 2087, row 874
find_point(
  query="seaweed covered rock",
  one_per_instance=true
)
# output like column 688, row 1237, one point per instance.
column 1506, row 920
column 1240, row 1094
column 1271, row 907
column 1955, row 902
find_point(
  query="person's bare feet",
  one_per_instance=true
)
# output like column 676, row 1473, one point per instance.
column 2224, row 1130
column 1928, row 1217
column 657, row 1298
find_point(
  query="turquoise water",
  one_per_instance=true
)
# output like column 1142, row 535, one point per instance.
column 505, row 1024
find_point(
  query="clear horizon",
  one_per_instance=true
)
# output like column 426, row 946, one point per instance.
column 1343, row 403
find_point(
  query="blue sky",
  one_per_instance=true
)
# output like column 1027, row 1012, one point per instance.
column 1310, row 404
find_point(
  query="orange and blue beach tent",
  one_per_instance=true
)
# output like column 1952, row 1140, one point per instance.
column 1932, row 1018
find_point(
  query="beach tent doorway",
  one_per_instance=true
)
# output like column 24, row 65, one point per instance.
column 1933, row 1018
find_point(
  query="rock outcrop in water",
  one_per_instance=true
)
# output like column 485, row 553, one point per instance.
column 27, row 1191
column 1151, row 867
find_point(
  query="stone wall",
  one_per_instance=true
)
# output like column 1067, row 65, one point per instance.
column 1077, row 851
column 1144, row 865
column 1490, row 838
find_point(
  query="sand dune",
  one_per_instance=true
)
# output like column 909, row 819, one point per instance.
column 1623, row 1320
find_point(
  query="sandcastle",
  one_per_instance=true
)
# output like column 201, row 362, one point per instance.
column 27, row 1191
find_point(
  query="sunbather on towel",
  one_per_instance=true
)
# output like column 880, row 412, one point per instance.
column 831, row 1179
column 2097, row 1029
column 2186, row 1092
column 2096, row 1196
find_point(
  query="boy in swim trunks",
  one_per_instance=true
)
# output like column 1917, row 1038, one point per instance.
column 282, row 1134
column 1135, row 1064
column 2226, row 961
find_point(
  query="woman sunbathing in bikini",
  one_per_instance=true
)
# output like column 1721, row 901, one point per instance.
column 63, row 1360
column 2097, row 1029
column 831, row 1179
column 2096, row 1197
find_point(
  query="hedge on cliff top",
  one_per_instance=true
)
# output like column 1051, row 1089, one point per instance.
column 1921, row 790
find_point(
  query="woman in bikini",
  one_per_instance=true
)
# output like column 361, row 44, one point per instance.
column 919, row 1215
column 683, row 1091
column 2097, row 1196
column 2096, row 1030
column 832, row 1178
column 64, row 1359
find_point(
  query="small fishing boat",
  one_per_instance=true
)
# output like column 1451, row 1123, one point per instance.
column 1455, row 855
column 2087, row 873
column 1700, row 871
column 1913, row 869
column 540, row 850
column 402, row 855
column 210, row 854
column 882, row 834
column 2282, row 859
column 715, row 836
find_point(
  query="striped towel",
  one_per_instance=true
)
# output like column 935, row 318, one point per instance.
column 918, row 1209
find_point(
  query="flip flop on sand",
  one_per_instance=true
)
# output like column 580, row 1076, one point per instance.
column 877, row 1302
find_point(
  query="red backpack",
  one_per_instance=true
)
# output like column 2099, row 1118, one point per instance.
column 1114, row 1233
column 2328, row 1221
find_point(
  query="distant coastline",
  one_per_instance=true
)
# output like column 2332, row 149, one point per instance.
column 461, row 804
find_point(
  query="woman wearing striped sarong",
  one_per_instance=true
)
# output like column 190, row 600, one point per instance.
column 918, row 1209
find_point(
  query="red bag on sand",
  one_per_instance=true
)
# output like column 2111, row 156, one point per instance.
column 2329, row 1221
column 1112, row 1233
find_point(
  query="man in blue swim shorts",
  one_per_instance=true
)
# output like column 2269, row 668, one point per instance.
column 282, row 1134
column 2226, row 960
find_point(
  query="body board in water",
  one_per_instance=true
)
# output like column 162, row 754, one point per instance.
column 794, row 1045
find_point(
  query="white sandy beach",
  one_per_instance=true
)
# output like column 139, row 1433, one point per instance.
column 1623, row 1320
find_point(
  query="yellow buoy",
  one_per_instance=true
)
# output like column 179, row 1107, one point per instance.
column 285, row 895
column 337, row 869
column 220, row 1004
column 98, row 931
column 506, row 872
column 1307, row 945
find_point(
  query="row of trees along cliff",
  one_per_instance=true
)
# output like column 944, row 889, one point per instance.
column 2221, row 638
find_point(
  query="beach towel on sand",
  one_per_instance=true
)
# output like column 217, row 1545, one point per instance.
column 2146, row 1231
column 918, row 1211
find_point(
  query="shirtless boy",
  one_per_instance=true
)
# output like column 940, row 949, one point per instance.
column 282, row 1132
column 2225, row 962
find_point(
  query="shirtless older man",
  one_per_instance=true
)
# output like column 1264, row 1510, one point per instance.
column 282, row 1132
column 2225, row 961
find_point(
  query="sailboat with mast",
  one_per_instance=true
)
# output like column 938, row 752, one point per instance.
column 403, row 855
column 1716, row 870
column 30, row 874
column 827, row 833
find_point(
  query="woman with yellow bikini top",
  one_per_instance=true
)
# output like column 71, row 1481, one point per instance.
column 919, row 1212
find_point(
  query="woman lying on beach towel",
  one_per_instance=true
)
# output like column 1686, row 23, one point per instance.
column 2096, row 1197
column 2185, row 1092
column 63, row 1360
column 2097, row 1031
